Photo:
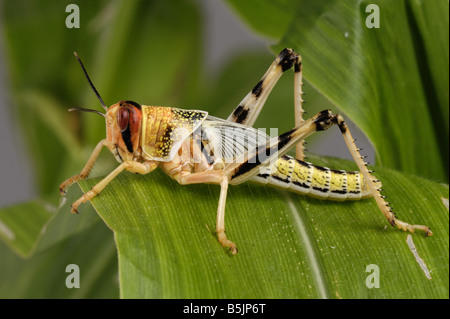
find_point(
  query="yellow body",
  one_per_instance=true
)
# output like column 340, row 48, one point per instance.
column 165, row 129
column 315, row 181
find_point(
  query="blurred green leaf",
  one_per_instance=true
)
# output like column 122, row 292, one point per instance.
column 132, row 59
column 38, row 48
column 43, row 275
column 270, row 18
column 124, row 46
column 154, row 61
column 392, row 81
column 21, row 225
column 49, row 239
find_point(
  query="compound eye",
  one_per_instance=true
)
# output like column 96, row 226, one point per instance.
column 123, row 118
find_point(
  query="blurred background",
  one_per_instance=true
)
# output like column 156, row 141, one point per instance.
column 208, row 54
column 220, row 47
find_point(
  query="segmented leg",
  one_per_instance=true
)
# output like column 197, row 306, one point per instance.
column 213, row 177
column 298, row 104
column 248, row 110
column 255, row 160
column 220, row 222
column 86, row 170
column 250, row 163
column 134, row 167
column 371, row 182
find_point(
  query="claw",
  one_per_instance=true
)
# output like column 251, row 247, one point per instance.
column 74, row 209
column 227, row 243
column 233, row 250
column 62, row 191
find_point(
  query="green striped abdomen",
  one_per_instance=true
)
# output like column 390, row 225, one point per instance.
column 315, row 181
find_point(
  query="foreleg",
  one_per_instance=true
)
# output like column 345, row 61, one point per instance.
column 86, row 170
column 213, row 177
column 132, row 166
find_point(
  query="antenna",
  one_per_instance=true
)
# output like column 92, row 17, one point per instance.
column 87, row 110
column 90, row 82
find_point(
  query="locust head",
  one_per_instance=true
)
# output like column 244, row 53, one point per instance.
column 123, row 129
column 123, row 124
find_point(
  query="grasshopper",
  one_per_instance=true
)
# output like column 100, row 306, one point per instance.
column 193, row 147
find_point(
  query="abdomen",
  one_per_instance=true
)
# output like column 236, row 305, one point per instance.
column 312, row 180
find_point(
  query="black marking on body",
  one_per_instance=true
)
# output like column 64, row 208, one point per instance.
column 297, row 67
column 257, row 90
column 278, row 178
column 320, row 168
column 303, row 163
column 262, row 155
column 301, row 184
column 167, row 133
column 339, row 191
column 323, row 190
column 196, row 116
column 137, row 105
column 166, row 138
column 191, row 116
column 126, row 136
column 265, row 176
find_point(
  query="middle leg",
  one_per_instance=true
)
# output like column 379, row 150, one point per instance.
column 213, row 177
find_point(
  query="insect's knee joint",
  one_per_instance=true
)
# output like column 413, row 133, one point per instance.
column 339, row 120
column 323, row 120
column 287, row 58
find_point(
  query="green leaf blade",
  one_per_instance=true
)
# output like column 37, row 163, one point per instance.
column 167, row 246
column 21, row 225
column 165, row 234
